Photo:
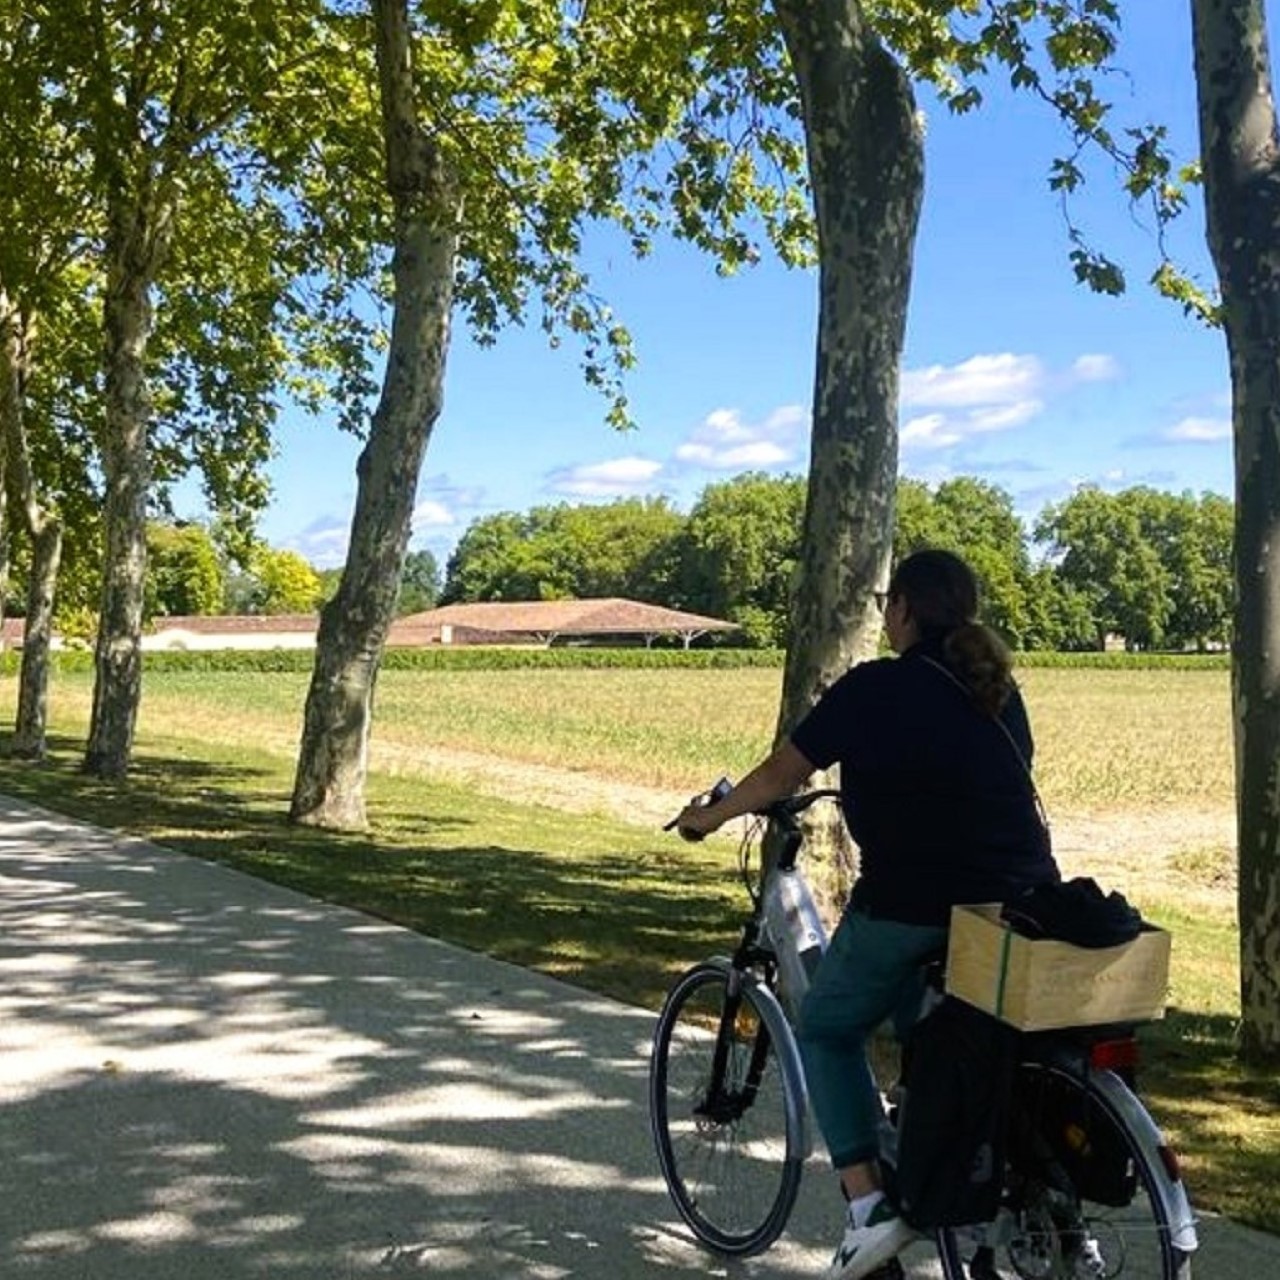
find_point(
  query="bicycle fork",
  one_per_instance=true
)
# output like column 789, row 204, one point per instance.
column 726, row 1099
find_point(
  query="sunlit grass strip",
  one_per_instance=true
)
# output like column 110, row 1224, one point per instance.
column 1106, row 739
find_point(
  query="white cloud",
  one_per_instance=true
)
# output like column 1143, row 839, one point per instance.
column 431, row 513
column 978, row 381
column 617, row 477
column 983, row 394
column 323, row 542
column 722, row 441
column 1199, row 431
column 758, row 453
column 1003, row 416
column 986, row 393
column 930, row 431
column 1095, row 368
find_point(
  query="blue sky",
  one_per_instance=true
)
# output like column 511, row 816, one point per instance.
column 1012, row 371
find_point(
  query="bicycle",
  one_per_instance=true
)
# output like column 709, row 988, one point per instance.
column 1091, row 1190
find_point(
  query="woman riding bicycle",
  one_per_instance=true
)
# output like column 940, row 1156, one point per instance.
column 934, row 749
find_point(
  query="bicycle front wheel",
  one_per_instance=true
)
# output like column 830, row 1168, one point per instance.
column 727, row 1114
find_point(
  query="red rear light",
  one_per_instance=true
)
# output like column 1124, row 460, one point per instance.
column 1114, row 1055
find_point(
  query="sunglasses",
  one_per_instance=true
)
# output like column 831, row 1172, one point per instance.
column 882, row 600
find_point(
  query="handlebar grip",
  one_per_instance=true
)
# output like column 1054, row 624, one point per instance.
column 718, row 792
column 693, row 837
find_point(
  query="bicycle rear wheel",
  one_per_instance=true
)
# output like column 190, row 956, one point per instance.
column 1081, row 1200
column 726, row 1118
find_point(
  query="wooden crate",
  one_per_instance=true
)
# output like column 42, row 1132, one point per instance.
column 1039, row 984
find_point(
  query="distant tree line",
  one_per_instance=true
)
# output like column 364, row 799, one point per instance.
column 1148, row 567
column 190, row 572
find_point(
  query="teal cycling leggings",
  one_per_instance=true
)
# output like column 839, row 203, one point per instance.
column 871, row 972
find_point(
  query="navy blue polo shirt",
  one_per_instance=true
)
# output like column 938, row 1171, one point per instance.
column 933, row 793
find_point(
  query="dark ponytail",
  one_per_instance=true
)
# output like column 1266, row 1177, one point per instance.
column 941, row 593
column 982, row 660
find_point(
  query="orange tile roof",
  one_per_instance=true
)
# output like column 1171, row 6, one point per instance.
column 609, row 616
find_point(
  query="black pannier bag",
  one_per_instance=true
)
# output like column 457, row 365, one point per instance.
column 1081, row 1138
column 957, row 1081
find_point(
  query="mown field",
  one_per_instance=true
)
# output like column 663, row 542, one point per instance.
column 618, row 907
column 1107, row 740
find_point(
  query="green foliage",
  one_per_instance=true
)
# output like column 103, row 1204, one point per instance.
column 1193, row 538
column 146, row 123
column 580, row 658
column 330, row 580
column 273, row 581
column 1154, row 567
column 661, row 118
column 976, row 519
column 1107, row 556
column 287, row 583
column 419, row 583
column 622, row 548
column 1062, row 52
column 739, row 551
column 478, row 658
column 1119, row 660
column 184, row 573
column 1151, row 567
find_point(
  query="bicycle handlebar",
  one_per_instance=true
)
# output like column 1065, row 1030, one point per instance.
column 793, row 806
column 784, row 811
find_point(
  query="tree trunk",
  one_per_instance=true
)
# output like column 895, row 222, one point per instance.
column 33, row 685
column 1240, row 150
column 332, row 761
column 866, row 166
column 10, row 412
column 45, row 531
column 137, row 238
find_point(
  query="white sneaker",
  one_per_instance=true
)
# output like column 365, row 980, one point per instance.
column 865, row 1248
column 1089, row 1262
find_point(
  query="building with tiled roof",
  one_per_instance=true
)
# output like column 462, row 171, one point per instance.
column 232, row 631
column 527, row 622
column 547, row 621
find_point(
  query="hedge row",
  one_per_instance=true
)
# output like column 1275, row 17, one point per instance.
column 1121, row 661
column 484, row 658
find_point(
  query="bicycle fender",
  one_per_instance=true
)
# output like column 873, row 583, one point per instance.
column 783, row 1039
column 1128, row 1108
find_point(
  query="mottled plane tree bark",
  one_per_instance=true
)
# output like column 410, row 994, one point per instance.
column 1240, row 150
column 866, row 166
column 427, row 206
column 42, row 525
column 140, row 209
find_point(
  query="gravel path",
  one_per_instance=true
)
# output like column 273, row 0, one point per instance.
column 1189, row 850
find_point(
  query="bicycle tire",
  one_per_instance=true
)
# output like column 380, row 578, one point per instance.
column 1137, row 1241
column 733, row 1175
